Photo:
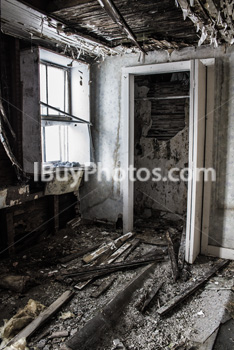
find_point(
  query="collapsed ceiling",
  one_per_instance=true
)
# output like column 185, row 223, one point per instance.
column 97, row 28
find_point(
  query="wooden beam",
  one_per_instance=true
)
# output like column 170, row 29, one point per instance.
column 190, row 289
column 108, row 247
column 107, row 257
column 88, row 337
column 116, row 16
column 42, row 318
column 118, row 252
column 124, row 256
column 97, row 271
column 146, row 300
column 103, row 287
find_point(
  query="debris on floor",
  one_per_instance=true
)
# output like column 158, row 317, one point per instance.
column 96, row 268
column 20, row 320
column 66, row 315
column 19, row 345
column 16, row 283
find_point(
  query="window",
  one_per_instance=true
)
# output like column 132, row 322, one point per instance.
column 56, row 122
column 65, row 137
column 54, row 91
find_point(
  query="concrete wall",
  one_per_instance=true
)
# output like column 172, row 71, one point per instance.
column 104, row 199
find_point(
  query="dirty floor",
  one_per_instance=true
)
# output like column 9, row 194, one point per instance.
column 188, row 326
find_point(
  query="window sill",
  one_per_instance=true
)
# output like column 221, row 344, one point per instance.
column 51, row 168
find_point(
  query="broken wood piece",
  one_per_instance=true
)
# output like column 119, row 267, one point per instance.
column 104, row 258
column 190, row 289
column 110, row 246
column 87, row 337
column 101, row 260
column 150, row 296
column 181, row 254
column 103, row 287
column 74, row 223
column 172, row 255
column 133, row 246
column 59, row 334
column 118, row 253
column 43, row 317
column 97, row 271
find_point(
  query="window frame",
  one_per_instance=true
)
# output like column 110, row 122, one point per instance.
column 64, row 119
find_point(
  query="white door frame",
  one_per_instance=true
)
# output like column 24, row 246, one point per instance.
column 206, row 248
column 128, row 74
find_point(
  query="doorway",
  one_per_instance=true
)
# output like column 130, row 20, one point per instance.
column 196, row 139
column 161, row 133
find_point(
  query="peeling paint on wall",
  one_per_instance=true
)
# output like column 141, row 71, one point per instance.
column 152, row 197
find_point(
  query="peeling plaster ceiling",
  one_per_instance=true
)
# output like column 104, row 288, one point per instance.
column 83, row 28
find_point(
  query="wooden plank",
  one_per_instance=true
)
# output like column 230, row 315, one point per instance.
column 118, row 252
column 43, row 317
column 103, row 287
column 97, row 271
column 133, row 246
column 190, row 289
column 110, row 246
column 88, row 336
column 150, row 296
column 171, row 252
column 103, row 258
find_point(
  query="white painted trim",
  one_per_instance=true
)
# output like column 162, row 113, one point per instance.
column 128, row 130
column 190, row 163
column 208, row 158
column 196, row 161
column 223, row 253
column 158, row 68
column 128, row 117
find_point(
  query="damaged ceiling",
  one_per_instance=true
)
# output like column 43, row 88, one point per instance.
column 104, row 27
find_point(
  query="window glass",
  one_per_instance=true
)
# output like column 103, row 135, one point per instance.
column 56, row 89
column 52, row 143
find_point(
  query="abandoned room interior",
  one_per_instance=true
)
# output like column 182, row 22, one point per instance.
column 117, row 174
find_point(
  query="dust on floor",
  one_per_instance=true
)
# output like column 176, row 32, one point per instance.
column 192, row 321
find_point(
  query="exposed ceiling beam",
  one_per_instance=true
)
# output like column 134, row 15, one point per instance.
column 115, row 15
column 26, row 23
